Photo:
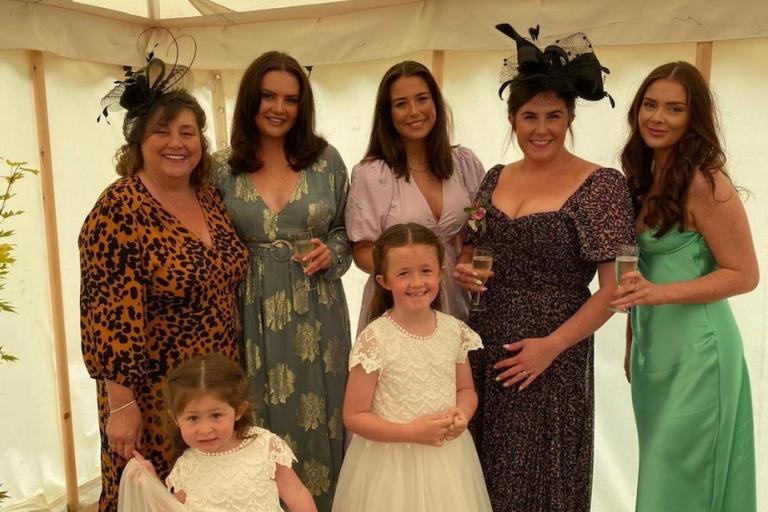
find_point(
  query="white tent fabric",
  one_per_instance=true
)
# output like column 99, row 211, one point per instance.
column 361, row 30
column 84, row 52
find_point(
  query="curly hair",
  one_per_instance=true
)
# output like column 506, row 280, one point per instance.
column 168, row 106
column 399, row 235
column 698, row 150
column 302, row 145
column 210, row 374
column 385, row 142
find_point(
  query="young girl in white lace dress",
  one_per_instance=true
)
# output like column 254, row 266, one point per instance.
column 410, row 394
column 224, row 464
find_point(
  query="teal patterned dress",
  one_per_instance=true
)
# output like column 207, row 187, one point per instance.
column 295, row 342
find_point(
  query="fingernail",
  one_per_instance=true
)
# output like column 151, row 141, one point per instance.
column 497, row 379
column 507, row 345
column 505, row 385
column 478, row 282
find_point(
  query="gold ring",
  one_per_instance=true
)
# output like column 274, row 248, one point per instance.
column 525, row 374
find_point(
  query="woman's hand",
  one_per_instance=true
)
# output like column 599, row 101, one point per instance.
column 124, row 431
column 319, row 259
column 430, row 429
column 534, row 355
column 634, row 290
column 467, row 279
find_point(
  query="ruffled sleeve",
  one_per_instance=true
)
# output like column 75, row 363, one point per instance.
column 365, row 351
column 603, row 216
column 468, row 340
column 470, row 169
column 278, row 452
column 370, row 197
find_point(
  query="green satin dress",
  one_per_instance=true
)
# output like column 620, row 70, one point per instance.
column 690, row 391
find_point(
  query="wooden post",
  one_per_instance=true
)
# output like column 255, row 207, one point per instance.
column 54, row 281
column 704, row 59
column 438, row 66
column 221, row 138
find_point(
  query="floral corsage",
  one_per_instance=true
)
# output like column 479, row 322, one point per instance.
column 477, row 212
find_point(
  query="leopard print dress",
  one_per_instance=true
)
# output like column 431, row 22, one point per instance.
column 536, row 446
column 152, row 295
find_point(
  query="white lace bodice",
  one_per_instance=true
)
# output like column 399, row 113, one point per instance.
column 241, row 479
column 417, row 375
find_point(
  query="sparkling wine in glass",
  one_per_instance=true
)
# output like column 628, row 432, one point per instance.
column 482, row 262
column 627, row 256
column 302, row 245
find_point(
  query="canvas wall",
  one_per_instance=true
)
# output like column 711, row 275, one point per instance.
column 30, row 460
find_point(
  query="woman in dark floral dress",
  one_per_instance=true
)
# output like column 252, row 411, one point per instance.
column 552, row 220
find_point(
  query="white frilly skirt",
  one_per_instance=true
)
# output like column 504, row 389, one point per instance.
column 141, row 491
column 382, row 477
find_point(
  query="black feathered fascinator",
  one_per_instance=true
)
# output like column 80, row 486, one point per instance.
column 568, row 66
column 138, row 91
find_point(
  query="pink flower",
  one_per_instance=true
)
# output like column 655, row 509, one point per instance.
column 478, row 213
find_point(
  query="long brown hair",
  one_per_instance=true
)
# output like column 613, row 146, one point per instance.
column 698, row 149
column 167, row 107
column 302, row 144
column 399, row 235
column 209, row 374
column 385, row 142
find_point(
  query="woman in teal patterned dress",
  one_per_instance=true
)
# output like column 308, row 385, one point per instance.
column 690, row 387
column 279, row 179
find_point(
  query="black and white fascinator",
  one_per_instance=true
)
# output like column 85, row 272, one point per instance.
column 140, row 89
column 568, row 66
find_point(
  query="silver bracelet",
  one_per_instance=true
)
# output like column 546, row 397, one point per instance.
column 124, row 406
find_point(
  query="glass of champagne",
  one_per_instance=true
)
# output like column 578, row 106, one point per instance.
column 482, row 261
column 627, row 256
column 302, row 245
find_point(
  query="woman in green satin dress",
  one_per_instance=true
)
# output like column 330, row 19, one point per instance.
column 690, row 387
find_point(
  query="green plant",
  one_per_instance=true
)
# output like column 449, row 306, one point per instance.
column 17, row 171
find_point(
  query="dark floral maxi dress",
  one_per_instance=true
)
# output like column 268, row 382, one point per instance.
column 536, row 446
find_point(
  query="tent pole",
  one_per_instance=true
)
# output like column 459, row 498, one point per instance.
column 221, row 138
column 438, row 66
column 54, row 281
column 704, row 58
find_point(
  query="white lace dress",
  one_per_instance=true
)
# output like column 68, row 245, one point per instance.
column 417, row 376
column 238, row 480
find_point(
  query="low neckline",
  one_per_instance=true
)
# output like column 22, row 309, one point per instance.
column 544, row 212
column 260, row 196
column 192, row 234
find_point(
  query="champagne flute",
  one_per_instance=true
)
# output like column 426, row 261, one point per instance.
column 482, row 261
column 302, row 245
column 627, row 256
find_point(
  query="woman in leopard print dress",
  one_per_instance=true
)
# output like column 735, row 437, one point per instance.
column 159, row 265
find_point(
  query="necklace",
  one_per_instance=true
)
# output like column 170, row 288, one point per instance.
column 412, row 166
column 163, row 192
column 403, row 330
